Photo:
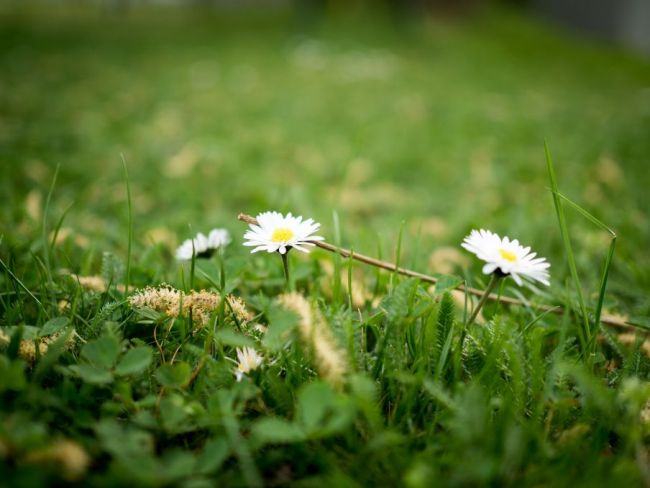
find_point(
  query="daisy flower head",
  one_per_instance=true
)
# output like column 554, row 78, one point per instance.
column 248, row 360
column 507, row 257
column 276, row 232
column 203, row 246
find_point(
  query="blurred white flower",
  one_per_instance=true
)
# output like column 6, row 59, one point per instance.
column 276, row 232
column 248, row 360
column 203, row 246
column 507, row 257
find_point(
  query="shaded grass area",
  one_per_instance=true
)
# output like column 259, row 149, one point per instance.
column 434, row 127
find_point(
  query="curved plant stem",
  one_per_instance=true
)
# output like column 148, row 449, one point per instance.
column 605, row 319
column 486, row 295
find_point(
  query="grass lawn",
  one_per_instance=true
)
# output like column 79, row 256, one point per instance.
column 399, row 140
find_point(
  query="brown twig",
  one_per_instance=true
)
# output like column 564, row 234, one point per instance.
column 195, row 373
column 346, row 253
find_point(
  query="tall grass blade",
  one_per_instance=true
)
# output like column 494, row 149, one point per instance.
column 22, row 285
column 57, row 228
column 584, row 334
column 606, row 264
column 46, row 246
column 127, row 277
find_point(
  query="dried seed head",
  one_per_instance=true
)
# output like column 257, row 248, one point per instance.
column 70, row 456
column 239, row 308
column 329, row 359
column 201, row 304
column 645, row 413
column 164, row 299
column 630, row 338
column 92, row 283
column 27, row 347
column 447, row 259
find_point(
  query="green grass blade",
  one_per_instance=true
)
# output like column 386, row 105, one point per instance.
column 584, row 334
column 46, row 246
column 608, row 258
column 57, row 228
column 606, row 264
column 127, row 277
column 22, row 285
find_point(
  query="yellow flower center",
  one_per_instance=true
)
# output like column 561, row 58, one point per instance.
column 282, row 234
column 507, row 255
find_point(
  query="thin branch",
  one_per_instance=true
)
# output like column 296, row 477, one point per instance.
column 493, row 282
column 606, row 319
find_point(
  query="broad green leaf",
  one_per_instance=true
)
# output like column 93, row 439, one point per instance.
column 213, row 455
column 12, row 374
column 134, row 361
column 173, row 375
column 231, row 338
column 276, row 430
column 172, row 412
column 313, row 402
column 177, row 464
column 124, row 441
column 53, row 326
column 102, row 352
column 364, row 392
column 281, row 322
column 322, row 411
column 91, row 374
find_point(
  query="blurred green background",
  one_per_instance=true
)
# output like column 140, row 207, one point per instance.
column 433, row 117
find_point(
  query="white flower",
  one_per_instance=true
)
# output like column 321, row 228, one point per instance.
column 276, row 232
column 248, row 361
column 204, row 246
column 507, row 257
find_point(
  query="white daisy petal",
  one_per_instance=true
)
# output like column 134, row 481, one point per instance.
column 517, row 278
column 301, row 248
column 507, row 256
column 202, row 245
column 277, row 233
column 489, row 268
column 258, row 248
column 247, row 360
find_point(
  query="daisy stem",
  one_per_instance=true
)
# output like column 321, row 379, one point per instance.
column 486, row 295
column 285, row 265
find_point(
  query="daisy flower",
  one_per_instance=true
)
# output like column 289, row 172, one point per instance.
column 204, row 247
column 507, row 257
column 275, row 232
column 248, row 360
